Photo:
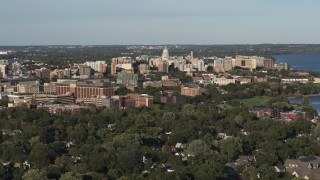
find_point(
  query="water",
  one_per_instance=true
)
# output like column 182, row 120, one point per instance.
column 300, row 61
column 314, row 101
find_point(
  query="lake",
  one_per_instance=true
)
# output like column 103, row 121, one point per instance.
column 300, row 61
column 314, row 101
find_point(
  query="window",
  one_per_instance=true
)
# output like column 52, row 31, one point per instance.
column 243, row 63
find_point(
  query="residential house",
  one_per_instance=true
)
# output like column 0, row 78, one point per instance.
column 245, row 160
column 306, row 167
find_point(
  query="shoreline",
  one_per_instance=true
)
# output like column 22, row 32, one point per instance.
column 301, row 96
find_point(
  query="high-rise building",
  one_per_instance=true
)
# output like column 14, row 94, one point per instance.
column 49, row 88
column 113, row 66
column 3, row 71
column 201, row 65
column 259, row 61
column 227, row 63
column 85, row 70
column 16, row 66
column 125, row 78
column 218, row 64
column 45, row 73
column 268, row 64
column 246, row 62
column 67, row 73
column 144, row 68
column 283, row 65
column 121, row 62
column 98, row 66
column 163, row 66
column 4, row 62
column 59, row 73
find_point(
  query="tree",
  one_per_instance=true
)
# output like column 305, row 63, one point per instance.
column 267, row 172
column 230, row 149
column 250, row 173
column 40, row 155
column 97, row 162
column 71, row 176
column 199, row 151
column 316, row 131
column 311, row 112
column 122, row 90
column 10, row 151
column 305, row 101
column 128, row 153
column 209, row 170
column 34, row 174
column 80, row 168
column 169, row 116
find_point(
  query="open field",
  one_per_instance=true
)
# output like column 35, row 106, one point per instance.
column 256, row 101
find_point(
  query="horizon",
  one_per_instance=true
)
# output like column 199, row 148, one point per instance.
column 244, row 44
column 125, row 22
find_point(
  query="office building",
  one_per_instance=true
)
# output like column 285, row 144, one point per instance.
column 247, row 62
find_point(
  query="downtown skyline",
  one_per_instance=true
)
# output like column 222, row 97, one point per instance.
column 126, row 22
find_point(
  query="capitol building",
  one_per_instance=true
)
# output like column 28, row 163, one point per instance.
column 165, row 54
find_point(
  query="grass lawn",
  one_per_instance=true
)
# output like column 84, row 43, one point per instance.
column 256, row 101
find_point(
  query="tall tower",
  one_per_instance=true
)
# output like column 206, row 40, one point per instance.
column 3, row 71
column 114, row 66
column 165, row 54
column 201, row 65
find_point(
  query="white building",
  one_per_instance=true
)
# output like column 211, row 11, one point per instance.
column 201, row 66
column 3, row 71
column 99, row 66
column 223, row 81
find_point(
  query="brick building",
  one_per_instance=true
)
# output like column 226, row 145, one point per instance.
column 173, row 99
column 268, row 64
column 84, row 89
column 136, row 100
column 293, row 114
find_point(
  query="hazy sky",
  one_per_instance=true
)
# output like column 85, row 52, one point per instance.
column 47, row 22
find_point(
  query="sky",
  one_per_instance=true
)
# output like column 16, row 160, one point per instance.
column 126, row 22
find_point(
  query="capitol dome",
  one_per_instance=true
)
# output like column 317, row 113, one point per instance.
column 165, row 54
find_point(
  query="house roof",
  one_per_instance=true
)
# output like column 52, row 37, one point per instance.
column 314, row 159
column 306, row 167
column 280, row 167
column 307, row 173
